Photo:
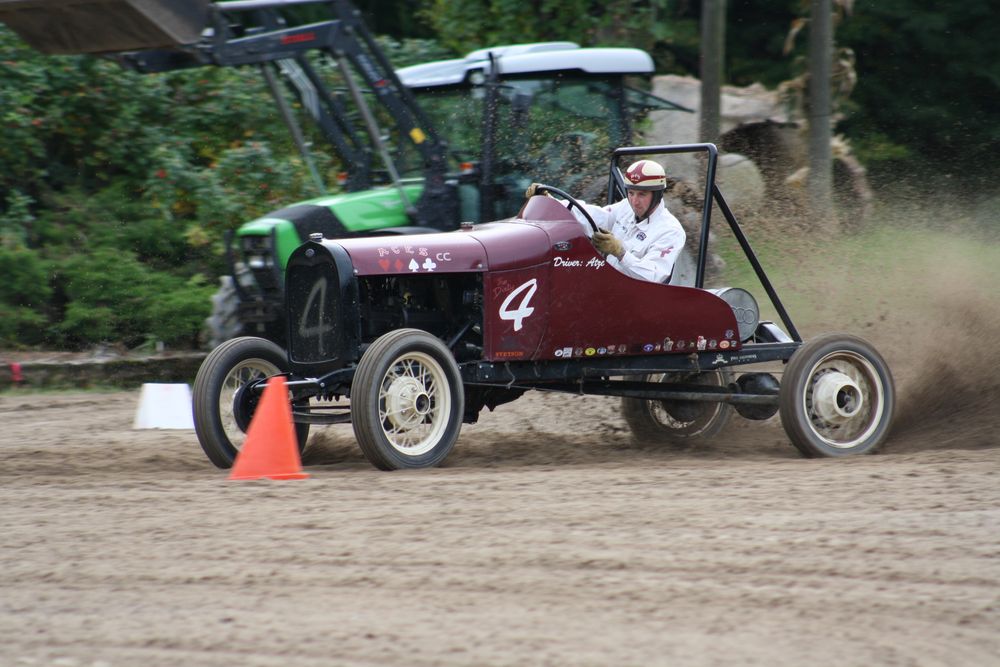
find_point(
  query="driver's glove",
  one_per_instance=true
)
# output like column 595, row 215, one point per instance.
column 530, row 192
column 608, row 244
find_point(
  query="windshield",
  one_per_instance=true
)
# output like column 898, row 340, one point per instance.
column 558, row 130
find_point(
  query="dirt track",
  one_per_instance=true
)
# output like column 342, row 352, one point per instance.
column 546, row 539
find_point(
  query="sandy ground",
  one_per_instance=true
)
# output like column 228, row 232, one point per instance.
column 547, row 538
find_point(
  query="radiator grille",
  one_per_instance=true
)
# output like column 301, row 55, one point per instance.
column 313, row 293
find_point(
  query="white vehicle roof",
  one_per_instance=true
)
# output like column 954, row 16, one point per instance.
column 526, row 59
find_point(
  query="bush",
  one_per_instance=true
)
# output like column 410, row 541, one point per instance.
column 111, row 296
column 20, row 327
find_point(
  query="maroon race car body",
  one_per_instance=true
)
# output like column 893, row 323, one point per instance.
column 542, row 276
column 420, row 332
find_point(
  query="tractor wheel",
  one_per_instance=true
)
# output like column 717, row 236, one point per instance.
column 407, row 401
column 222, row 412
column 837, row 397
column 678, row 422
column 223, row 324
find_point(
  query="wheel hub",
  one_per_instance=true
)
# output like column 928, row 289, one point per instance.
column 836, row 397
column 407, row 403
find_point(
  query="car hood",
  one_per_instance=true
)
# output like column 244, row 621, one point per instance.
column 494, row 246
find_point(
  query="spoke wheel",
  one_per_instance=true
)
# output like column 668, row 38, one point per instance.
column 837, row 397
column 678, row 422
column 406, row 401
column 223, row 408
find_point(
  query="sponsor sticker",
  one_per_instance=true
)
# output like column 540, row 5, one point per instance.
column 729, row 334
column 702, row 343
column 590, row 351
column 681, row 344
column 723, row 344
column 602, row 350
column 621, row 349
column 578, row 352
column 712, row 344
column 648, row 347
column 668, row 344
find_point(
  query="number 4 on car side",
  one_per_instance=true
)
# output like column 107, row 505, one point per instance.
column 422, row 332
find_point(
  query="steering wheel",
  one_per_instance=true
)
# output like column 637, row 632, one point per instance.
column 573, row 202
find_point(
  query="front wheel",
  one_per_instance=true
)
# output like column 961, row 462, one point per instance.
column 837, row 397
column 222, row 407
column 407, row 401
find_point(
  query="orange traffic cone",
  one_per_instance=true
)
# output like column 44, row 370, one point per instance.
column 270, row 450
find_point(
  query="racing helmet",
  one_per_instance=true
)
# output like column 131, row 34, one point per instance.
column 645, row 175
column 649, row 176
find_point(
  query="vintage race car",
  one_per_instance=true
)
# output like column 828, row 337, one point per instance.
column 421, row 332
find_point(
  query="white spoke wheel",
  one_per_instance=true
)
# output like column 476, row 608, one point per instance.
column 678, row 422
column 221, row 411
column 837, row 397
column 407, row 401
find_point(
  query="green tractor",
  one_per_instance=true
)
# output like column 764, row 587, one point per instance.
column 425, row 148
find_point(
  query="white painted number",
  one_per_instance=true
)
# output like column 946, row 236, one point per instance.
column 523, row 310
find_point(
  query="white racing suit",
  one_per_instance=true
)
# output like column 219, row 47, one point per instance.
column 651, row 246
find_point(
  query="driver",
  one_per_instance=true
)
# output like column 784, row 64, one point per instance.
column 639, row 236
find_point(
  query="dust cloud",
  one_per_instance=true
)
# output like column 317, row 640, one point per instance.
column 919, row 280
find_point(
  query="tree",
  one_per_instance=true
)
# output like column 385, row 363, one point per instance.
column 928, row 89
column 820, row 184
column 713, row 51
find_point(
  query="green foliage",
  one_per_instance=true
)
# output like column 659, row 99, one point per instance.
column 113, row 297
column 928, row 80
column 24, row 295
column 472, row 24
column 134, row 177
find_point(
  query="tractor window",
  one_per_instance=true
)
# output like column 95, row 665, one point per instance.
column 557, row 130
column 561, row 132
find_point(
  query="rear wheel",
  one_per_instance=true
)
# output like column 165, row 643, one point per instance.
column 223, row 407
column 678, row 422
column 837, row 397
column 407, row 401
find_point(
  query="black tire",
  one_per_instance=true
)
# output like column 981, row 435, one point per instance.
column 224, row 323
column 407, row 401
column 837, row 397
column 675, row 422
column 219, row 423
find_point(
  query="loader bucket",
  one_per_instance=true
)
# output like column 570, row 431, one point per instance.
column 103, row 26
